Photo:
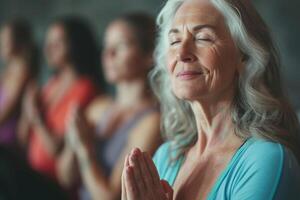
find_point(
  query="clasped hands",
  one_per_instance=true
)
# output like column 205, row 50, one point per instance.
column 140, row 179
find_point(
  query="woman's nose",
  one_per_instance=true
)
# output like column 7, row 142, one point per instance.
column 186, row 52
column 110, row 52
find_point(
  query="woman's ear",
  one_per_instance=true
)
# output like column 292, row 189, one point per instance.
column 243, row 58
column 149, row 60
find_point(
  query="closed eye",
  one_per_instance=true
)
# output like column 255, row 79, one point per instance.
column 204, row 39
column 174, row 42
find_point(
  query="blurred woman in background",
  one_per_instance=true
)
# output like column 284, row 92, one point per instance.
column 19, row 54
column 72, row 52
column 131, row 119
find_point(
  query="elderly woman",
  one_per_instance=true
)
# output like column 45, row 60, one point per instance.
column 231, row 132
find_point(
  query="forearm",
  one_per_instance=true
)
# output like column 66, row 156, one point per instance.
column 23, row 128
column 94, row 179
column 68, row 174
column 13, row 99
column 51, row 143
column 8, row 112
column 5, row 115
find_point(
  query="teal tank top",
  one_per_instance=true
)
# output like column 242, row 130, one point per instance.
column 259, row 170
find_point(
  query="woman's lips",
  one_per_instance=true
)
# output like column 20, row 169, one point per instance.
column 186, row 75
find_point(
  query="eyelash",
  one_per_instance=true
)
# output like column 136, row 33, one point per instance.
column 204, row 39
column 175, row 42
column 199, row 39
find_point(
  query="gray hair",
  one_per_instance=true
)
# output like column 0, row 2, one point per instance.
column 259, row 108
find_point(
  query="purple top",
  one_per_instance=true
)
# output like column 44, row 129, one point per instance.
column 8, row 129
column 108, row 150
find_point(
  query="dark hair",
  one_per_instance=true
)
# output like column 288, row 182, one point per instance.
column 84, row 53
column 23, row 43
column 144, row 28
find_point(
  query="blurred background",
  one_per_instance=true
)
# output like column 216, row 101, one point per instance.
column 282, row 17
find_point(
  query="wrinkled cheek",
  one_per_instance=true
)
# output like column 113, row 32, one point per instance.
column 213, row 81
column 221, row 80
column 174, row 87
column 170, row 63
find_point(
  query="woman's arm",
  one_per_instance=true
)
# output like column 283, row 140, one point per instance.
column 94, row 178
column 145, row 135
column 68, row 169
column 79, row 142
column 23, row 128
column 13, row 95
column 51, row 143
column 25, row 120
column 269, row 172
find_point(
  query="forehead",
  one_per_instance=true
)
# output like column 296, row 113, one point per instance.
column 197, row 11
column 56, row 30
column 117, row 27
column 6, row 30
column 119, row 30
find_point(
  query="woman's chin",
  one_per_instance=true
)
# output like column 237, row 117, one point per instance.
column 188, row 95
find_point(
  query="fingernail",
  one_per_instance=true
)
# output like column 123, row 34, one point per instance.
column 133, row 157
column 133, row 151
column 136, row 151
column 128, row 169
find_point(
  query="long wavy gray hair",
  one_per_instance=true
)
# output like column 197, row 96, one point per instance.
column 260, row 107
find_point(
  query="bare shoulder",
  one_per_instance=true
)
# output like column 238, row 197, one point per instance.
column 152, row 119
column 146, row 133
column 15, row 79
column 97, row 107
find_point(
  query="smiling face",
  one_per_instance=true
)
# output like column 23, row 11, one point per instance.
column 202, row 58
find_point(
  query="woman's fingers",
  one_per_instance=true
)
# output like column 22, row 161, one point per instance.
column 75, row 123
column 72, row 128
column 72, row 112
column 157, row 187
column 123, row 192
column 127, row 161
column 146, row 175
column 152, row 168
column 131, row 186
column 167, row 189
column 83, row 128
column 136, row 169
column 142, row 180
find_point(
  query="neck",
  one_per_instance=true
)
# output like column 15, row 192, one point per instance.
column 15, row 60
column 131, row 94
column 214, row 123
column 67, row 73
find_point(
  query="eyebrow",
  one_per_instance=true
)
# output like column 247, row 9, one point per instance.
column 195, row 29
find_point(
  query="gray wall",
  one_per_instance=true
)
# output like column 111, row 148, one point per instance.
column 282, row 17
